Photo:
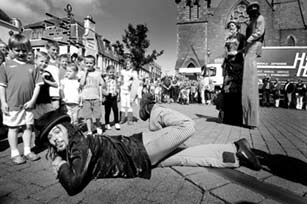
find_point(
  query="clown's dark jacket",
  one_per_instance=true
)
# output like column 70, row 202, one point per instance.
column 99, row 156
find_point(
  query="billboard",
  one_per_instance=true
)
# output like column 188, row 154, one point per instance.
column 283, row 63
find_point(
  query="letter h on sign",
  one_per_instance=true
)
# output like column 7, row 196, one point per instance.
column 302, row 64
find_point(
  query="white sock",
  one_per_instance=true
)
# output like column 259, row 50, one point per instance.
column 26, row 150
column 14, row 153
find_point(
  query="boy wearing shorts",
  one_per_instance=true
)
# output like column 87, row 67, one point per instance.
column 70, row 92
column 19, row 87
column 91, row 83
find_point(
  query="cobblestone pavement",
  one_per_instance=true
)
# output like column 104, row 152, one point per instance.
column 280, row 140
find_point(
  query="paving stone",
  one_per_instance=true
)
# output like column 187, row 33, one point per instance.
column 49, row 193
column 3, row 172
column 43, row 178
column 186, row 171
column 7, row 186
column 15, row 168
column 260, row 175
column 234, row 193
column 269, row 201
column 9, row 200
column 39, row 165
column 165, row 186
column 286, row 184
column 25, row 192
column 210, row 199
column 207, row 180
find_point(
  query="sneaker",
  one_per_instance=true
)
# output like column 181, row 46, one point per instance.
column 108, row 127
column 18, row 160
column 246, row 156
column 117, row 126
column 32, row 156
column 99, row 131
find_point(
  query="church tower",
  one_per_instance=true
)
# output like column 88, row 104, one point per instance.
column 192, row 31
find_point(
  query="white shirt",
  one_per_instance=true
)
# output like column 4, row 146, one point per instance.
column 128, row 76
column 70, row 88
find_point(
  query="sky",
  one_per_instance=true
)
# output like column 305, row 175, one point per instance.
column 112, row 18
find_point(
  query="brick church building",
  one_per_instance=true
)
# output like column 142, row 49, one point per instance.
column 201, row 27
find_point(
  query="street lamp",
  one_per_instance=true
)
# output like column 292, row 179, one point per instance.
column 68, row 10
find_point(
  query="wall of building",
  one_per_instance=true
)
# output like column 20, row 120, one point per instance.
column 190, row 37
column 282, row 22
column 217, row 23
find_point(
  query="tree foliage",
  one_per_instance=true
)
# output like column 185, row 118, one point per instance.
column 136, row 42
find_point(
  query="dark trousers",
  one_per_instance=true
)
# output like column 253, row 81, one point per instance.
column 232, row 109
column 266, row 97
column 111, row 102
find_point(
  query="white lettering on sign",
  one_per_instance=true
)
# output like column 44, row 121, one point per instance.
column 302, row 67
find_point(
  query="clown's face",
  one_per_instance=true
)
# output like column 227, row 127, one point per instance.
column 58, row 137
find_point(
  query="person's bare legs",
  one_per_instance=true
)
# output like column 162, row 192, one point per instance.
column 13, row 141
column 26, row 137
column 89, row 125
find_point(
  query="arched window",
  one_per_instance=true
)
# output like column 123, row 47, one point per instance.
column 291, row 40
column 239, row 14
column 191, row 65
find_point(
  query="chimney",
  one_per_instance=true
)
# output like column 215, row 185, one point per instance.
column 89, row 23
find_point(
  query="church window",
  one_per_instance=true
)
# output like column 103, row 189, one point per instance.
column 239, row 14
column 191, row 65
column 291, row 40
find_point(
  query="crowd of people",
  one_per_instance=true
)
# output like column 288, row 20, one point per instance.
column 33, row 84
column 180, row 89
column 287, row 95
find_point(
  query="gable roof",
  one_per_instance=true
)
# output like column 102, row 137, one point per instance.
column 4, row 16
column 50, row 21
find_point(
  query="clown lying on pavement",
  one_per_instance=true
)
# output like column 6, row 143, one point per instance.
column 78, row 159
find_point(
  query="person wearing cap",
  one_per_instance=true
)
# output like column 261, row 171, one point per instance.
column 254, row 38
column 78, row 159
column 233, row 71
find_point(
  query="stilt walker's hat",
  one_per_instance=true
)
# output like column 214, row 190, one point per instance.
column 254, row 5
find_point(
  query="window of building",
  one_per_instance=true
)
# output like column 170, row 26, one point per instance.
column 240, row 15
column 291, row 40
column 191, row 65
column 211, row 71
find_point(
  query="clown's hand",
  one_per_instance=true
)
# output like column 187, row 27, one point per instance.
column 57, row 163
